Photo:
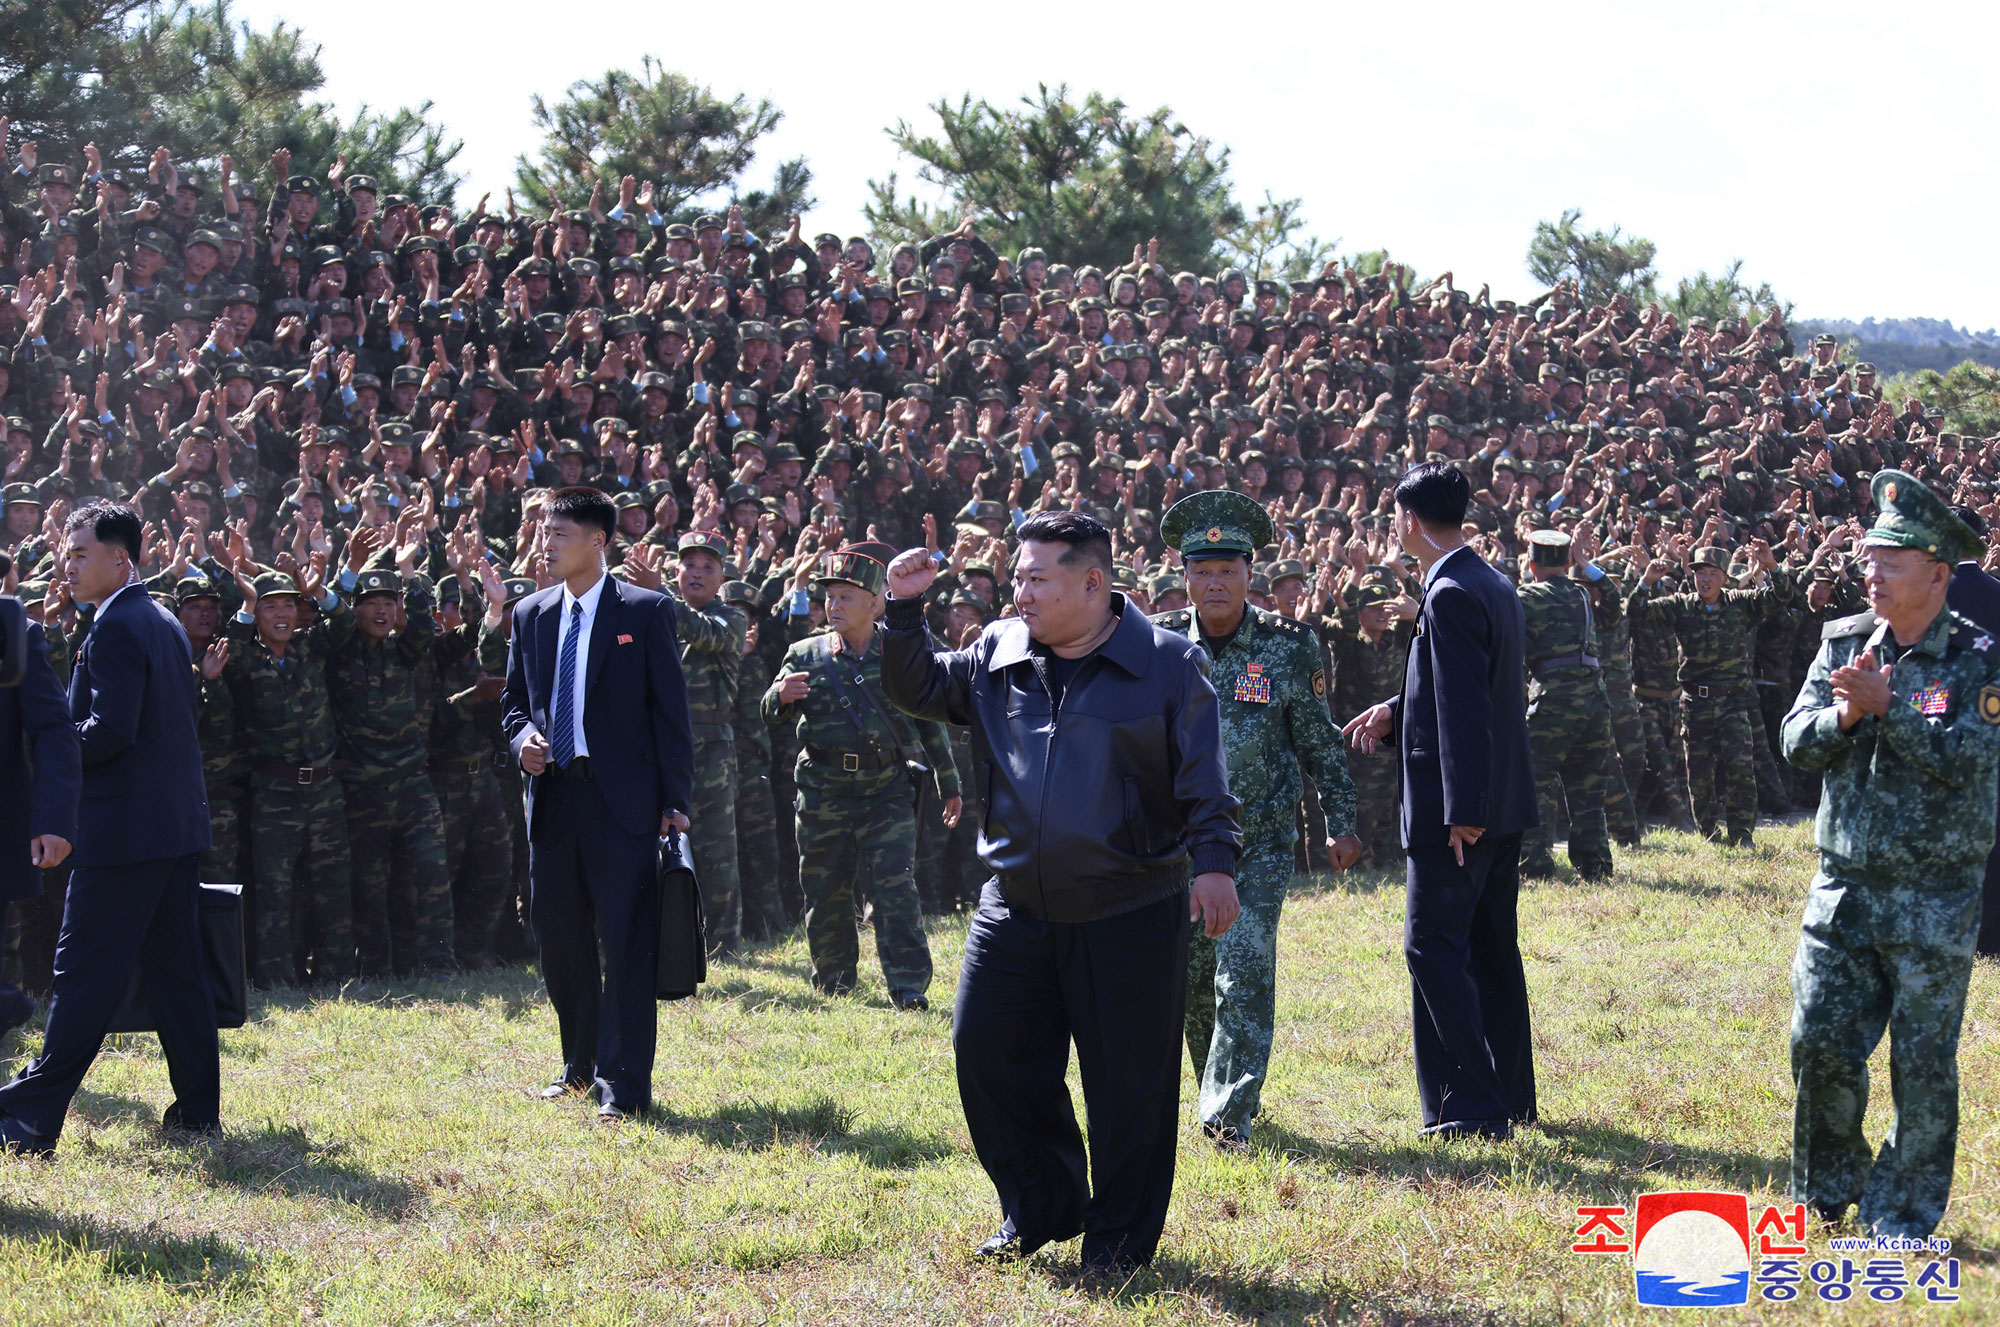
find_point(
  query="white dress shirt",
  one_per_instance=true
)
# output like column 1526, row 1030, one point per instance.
column 570, row 622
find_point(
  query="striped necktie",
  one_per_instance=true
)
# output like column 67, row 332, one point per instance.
column 562, row 742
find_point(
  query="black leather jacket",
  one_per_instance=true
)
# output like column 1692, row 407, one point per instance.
column 1113, row 801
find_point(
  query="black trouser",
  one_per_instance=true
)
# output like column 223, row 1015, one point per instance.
column 117, row 918
column 1469, row 996
column 591, row 881
column 1118, row 988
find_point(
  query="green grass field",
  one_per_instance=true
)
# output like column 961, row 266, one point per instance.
column 387, row 1161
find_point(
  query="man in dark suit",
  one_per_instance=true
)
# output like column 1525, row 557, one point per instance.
column 1461, row 730
column 1976, row 594
column 135, row 885
column 39, row 782
column 596, row 712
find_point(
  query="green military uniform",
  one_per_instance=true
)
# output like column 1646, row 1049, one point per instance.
column 1569, row 716
column 464, row 731
column 855, row 804
column 757, row 867
column 1715, row 682
column 1272, row 688
column 1366, row 672
column 711, row 640
column 225, row 769
column 1628, row 733
column 1656, row 662
column 395, row 831
column 1905, row 824
column 298, row 815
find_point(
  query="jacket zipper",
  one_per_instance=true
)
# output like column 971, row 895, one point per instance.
column 1048, row 773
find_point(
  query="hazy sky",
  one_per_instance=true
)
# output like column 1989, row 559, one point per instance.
column 1845, row 151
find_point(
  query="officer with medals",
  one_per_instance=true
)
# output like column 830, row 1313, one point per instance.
column 1901, row 714
column 1267, row 673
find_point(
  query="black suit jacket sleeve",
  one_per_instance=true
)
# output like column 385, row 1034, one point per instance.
column 118, row 662
column 51, row 743
column 1461, row 649
column 673, row 729
column 515, row 702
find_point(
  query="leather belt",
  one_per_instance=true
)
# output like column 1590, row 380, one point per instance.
column 303, row 775
column 1565, row 661
column 1711, row 693
column 466, row 765
column 578, row 768
column 851, row 762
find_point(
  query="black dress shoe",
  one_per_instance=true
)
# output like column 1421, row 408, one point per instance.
column 563, row 1087
column 911, row 1000
column 178, row 1125
column 1226, row 1137
column 999, row 1247
column 17, row 1139
column 613, row 1114
column 1495, row 1130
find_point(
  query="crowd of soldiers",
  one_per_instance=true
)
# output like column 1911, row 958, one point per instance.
column 342, row 413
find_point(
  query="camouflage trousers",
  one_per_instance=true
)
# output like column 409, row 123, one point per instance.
column 1664, row 790
column 757, row 868
column 478, row 854
column 302, row 934
column 1721, row 765
column 1569, row 738
column 861, row 830
column 228, row 809
column 1232, row 996
column 928, row 864
column 712, row 837
column 1873, row 958
column 1309, row 848
column 513, row 936
column 1774, row 788
column 1628, row 741
column 402, row 885
column 1378, row 809
column 784, row 797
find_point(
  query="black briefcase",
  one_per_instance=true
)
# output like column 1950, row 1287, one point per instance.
column 220, row 928
column 683, row 958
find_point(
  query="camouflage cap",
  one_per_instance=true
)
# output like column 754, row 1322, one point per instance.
column 269, row 584
column 1709, row 555
column 741, row 593
column 854, row 567
column 1216, row 523
column 1909, row 515
column 377, row 581
column 14, row 493
column 705, row 541
column 1286, row 569
column 518, row 588
column 195, row 586
column 1549, row 548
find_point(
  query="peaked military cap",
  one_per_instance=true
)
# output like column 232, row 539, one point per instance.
column 1549, row 548
column 855, row 567
column 1909, row 515
column 376, row 580
column 1217, row 523
column 705, row 541
column 270, row 583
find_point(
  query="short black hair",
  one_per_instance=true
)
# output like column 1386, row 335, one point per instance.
column 585, row 506
column 1085, row 535
column 1435, row 492
column 110, row 523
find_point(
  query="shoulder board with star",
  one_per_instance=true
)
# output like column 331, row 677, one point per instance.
column 1969, row 635
column 1858, row 625
column 1288, row 626
column 1177, row 620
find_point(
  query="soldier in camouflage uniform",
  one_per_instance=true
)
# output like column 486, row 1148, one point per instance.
column 756, row 814
column 465, row 722
column 1628, row 733
column 1656, row 660
column 1370, row 641
column 1902, row 714
column 1267, row 674
column 1714, row 627
column 711, row 636
column 1569, row 717
column 198, row 602
column 284, row 720
column 395, row 831
column 856, row 814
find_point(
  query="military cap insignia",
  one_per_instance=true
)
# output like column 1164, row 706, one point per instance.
column 1989, row 704
column 1214, row 534
column 1889, row 490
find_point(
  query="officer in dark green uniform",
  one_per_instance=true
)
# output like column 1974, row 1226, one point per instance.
column 756, row 813
column 711, row 635
column 1901, row 712
column 856, row 813
column 224, row 768
column 1569, row 717
column 1267, row 672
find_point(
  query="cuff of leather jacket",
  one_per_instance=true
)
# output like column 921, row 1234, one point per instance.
column 904, row 614
column 1213, row 857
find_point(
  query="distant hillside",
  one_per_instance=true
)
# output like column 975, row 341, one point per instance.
column 1904, row 345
